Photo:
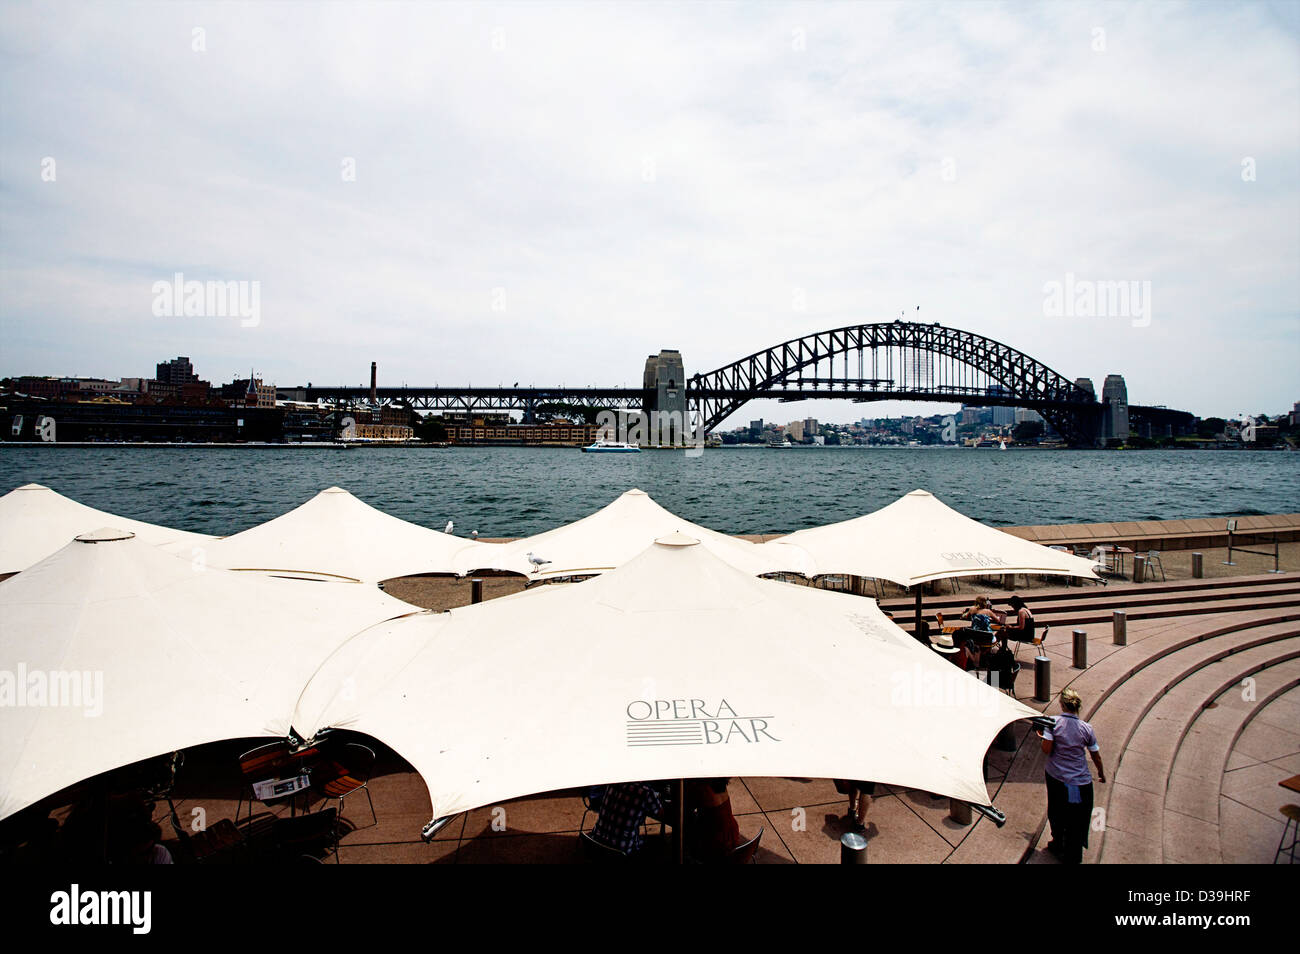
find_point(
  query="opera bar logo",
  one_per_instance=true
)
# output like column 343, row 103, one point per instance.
column 693, row 722
column 972, row 559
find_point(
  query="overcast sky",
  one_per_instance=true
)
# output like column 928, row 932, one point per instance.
column 546, row 193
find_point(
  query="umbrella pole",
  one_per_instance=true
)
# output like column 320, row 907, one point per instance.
column 681, row 820
column 920, row 619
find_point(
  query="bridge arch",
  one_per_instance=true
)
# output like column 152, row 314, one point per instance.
column 897, row 360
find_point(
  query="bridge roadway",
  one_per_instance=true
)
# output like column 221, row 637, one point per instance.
column 470, row 399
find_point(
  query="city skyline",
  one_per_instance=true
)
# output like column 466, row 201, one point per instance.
column 545, row 193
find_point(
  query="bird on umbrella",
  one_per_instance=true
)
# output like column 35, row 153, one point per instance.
column 536, row 561
column 450, row 526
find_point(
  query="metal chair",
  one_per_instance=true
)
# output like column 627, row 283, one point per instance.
column 744, row 854
column 1292, row 813
column 1153, row 559
column 1038, row 640
column 591, row 800
column 601, row 853
column 338, row 776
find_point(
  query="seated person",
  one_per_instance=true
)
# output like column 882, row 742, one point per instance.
column 623, row 810
column 711, row 829
column 981, row 622
column 1020, row 627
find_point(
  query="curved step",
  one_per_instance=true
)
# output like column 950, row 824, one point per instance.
column 1192, row 828
column 1135, row 804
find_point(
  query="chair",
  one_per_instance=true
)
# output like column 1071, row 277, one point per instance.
column 600, row 853
column 1153, row 559
column 1292, row 813
column 1041, row 638
column 591, row 800
column 744, row 854
column 338, row 776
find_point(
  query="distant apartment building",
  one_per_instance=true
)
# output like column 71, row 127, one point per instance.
column 795, row 431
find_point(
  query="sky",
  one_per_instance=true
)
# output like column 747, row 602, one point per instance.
column 546, row 193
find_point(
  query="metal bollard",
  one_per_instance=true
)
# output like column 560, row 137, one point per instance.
column 1120, row 623
column 1006, row 740
column 1198, row 565
column 1042, row 679
column 853, row 849
column 1080, row 649
column 1139, row 569
column 959, row 811
column 476, row 591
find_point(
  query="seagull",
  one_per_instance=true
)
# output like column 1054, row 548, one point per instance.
column 536, row 561
column 448, row 528
column 474, row 534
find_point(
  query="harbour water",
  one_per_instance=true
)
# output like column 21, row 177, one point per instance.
column 519, row 491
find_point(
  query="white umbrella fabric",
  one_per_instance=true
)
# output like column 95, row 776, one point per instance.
column 112, row 651
column 615, row 534
column 336, row 535
column 35, row 521
column 674, row 665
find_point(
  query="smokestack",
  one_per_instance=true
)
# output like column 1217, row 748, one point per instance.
column 373, row 396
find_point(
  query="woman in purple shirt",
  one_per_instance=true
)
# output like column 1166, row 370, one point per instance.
column 1069, row 784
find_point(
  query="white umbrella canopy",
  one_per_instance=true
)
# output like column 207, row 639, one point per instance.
column 615, row 534
column 675, row 665
column 112, row 651
column 35, row 522
column 336, row 535
column 919, row 538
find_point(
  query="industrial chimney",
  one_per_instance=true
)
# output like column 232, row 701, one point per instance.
column 374, row 398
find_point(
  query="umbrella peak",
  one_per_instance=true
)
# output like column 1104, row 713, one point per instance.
column 920, row 493
column 636, row 492
column 104, row 535
column 32, row 487
column 677, row 539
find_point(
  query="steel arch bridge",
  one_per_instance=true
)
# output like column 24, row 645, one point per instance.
column 884, row 361
column 897, row 360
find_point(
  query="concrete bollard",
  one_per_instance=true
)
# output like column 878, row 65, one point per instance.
column 476, row 591
column 1120, row 623
column 853, row 849
column 1080, row 649
column 959, row 811
column 1198, row 566
column 1139, row 569
column 1042, row 679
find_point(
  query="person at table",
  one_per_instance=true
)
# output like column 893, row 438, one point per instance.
column 1069, row 783
column 981, row 623
column 623, row 810
column 1019, row 628
column 711, row 829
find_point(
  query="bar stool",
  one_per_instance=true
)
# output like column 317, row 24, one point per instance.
column 1292, row 813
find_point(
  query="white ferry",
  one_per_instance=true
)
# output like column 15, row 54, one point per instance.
column 603, row 446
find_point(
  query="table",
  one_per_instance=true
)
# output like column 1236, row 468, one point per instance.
column 1292, row 783
column 1118, row 550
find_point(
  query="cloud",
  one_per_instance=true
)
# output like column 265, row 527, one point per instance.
column 547, row 192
